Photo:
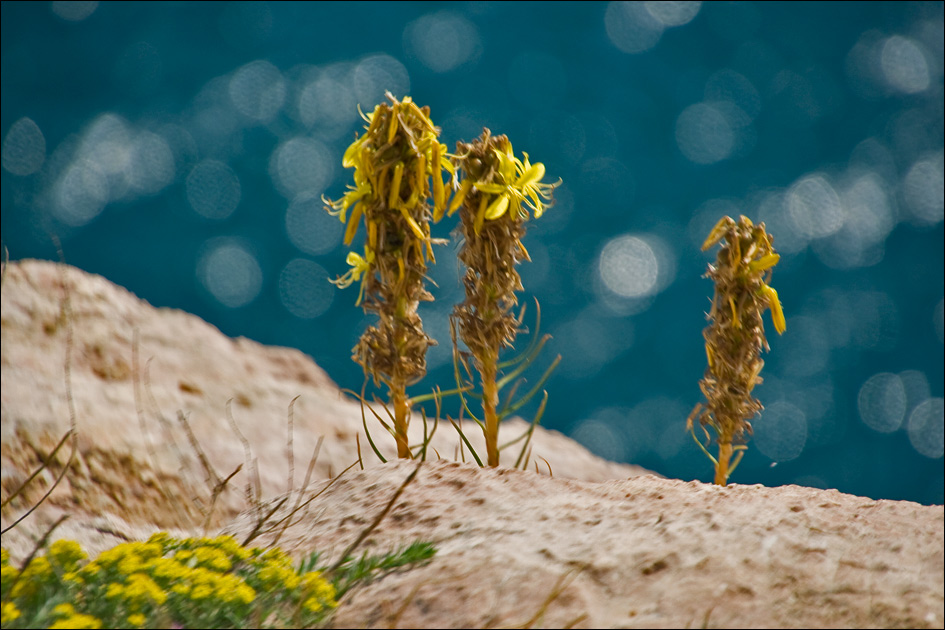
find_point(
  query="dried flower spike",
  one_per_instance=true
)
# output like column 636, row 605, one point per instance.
column 496, row 192
column 393, row 163
column 735, row 337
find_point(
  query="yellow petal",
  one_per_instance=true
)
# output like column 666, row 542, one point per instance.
column 718, row 232
column 531, row 175
column 497, row 208
column 394, row 199
column 460, row 195
column 353, row 223
column 414, row 226
column 777, row 315
column 765, row 262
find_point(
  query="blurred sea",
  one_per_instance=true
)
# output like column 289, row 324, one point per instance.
column 180, row 149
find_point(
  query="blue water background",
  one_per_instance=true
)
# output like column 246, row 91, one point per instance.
column 180, row 150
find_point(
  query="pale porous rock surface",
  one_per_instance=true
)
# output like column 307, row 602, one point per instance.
column 596, row 545
column 135, row 464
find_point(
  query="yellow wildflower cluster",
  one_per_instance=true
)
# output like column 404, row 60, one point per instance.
column 203, row 582
column 399, row 165
column 735, row 336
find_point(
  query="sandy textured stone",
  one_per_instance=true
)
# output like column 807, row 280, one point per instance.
column 596, row 545
column 134, row 460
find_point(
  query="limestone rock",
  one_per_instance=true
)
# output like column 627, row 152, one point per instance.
column 598, row 544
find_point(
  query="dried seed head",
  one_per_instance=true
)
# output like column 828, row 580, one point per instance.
column 735, row 336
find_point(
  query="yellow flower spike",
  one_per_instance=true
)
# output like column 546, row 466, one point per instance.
column 497, row 208
column 777, row 315
column 394, row 199
column 353, row 224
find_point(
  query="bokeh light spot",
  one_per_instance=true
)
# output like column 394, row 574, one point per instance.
column 310, row 227
column 673, row 12
column 442, row 41
column 230, row 273
column 904, row 66
column 924, row 190
column 152, row 163
column 631, row 27
column 81, row 193
column 73, row 10
column 927, row 428
column 378, row 74
column 330, row 103
column 814, row 207
column 213, row 189
column 882, row 402
column 704, row 134
column 629, row 267
column 24, row 148
column 599, row 438
column 304, row 288
column 258, row 90
column 781, row 432
column 301, row 165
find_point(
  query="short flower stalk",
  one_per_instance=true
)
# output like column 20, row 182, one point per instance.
column 735, row 337
column 497, row 194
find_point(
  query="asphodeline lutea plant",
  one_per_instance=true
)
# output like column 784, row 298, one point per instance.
column 394, row 162
column 735, row 336
column 496, row 195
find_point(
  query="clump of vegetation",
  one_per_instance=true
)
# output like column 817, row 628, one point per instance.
column 393, row 163
column 496, row 194
column 399, row 165
column 163, row 582
column 735, row 337
column 191, row 583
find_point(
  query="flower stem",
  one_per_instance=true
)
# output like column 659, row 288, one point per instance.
column 400, row 402
column 490, row 401
column 721, row 468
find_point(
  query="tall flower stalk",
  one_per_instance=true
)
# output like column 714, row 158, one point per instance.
column 735, row 336
column 495, row 197
column 394, row 162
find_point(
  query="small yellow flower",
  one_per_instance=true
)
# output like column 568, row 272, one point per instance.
column 77, row 622
column 137, row 620
column 9, row 614
column 517, row 183
column 66, row 554
column 359, row 266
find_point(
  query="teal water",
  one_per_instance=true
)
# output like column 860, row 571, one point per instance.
column 180, row 150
